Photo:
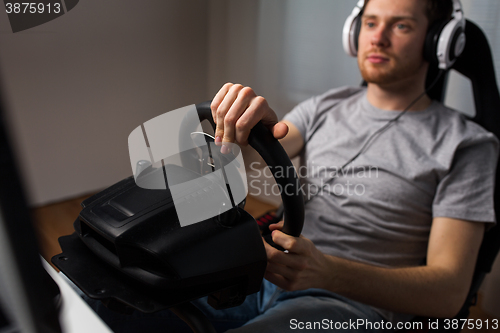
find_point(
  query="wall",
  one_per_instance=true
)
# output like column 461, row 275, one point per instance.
column 78, row 85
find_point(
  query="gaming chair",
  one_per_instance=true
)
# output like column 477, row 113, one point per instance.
column 476, row 63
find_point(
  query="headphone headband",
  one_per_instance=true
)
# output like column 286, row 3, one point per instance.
column 445, row 41
column 349, row 35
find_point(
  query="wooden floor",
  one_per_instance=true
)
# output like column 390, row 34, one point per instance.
column 55, row 220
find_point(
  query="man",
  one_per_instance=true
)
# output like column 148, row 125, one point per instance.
column 413, row 203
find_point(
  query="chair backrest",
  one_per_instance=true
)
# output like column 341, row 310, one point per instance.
column 476, row 63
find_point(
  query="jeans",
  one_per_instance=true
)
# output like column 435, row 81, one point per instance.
column 270, row 310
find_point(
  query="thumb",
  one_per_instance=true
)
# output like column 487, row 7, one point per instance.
column 276, row 226
column 279, row 130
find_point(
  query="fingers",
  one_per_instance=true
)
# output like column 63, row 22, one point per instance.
column 227, row 107
column 216, row 102
column 252, row 115
column 290, row 243
column 302, row 266
column 236, row 110
column 276, row 226
column 236, row 102
column 282, row 272
column 290, row 260
column 219, row 97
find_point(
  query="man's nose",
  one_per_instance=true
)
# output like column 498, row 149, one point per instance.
column 380, row 37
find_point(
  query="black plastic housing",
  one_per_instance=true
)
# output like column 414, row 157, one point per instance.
column 130, row 250
column 136, row 231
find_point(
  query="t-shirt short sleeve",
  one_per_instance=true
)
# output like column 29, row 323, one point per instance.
column 466, row 191
column 302, row 114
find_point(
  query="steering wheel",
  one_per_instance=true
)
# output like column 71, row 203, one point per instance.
column 175, row 264
column 269, row 148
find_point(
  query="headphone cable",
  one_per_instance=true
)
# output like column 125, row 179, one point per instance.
column 381, row 130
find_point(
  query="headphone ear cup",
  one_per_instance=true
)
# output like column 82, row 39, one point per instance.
column 431, row 42
column 350, row 36
column 350, row 32
column 457, row 44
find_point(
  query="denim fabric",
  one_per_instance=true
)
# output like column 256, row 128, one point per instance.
column 270, row 310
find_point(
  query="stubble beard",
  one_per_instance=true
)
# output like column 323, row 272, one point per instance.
column 387, row 73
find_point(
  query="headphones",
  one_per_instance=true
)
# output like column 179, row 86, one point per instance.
column 444, row 42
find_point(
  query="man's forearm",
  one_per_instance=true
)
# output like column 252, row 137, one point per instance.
column 437, row 289
column 423, row 290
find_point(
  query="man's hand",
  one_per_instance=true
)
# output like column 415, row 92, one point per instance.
column 437, row 289
column 303, row 267
column 237, row 109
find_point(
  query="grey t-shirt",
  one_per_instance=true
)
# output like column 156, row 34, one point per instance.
column 379, row 209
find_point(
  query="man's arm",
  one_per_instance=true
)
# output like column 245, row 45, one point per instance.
column 437, row 289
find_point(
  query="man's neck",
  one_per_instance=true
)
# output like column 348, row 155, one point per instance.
column 397, row 96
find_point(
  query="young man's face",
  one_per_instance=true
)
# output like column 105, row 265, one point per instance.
column 391, row 40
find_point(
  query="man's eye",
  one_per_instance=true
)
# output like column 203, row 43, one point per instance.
column 401, row 26
column 370, row 24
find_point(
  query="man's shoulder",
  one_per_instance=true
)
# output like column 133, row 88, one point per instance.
column 457, row 125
